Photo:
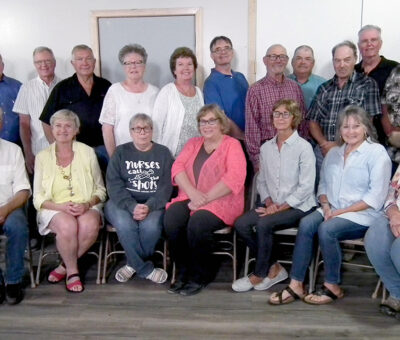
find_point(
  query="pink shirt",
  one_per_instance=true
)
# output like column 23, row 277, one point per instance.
column 227, row 164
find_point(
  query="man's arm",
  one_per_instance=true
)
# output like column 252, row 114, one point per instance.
column 317, row 134
column 47, row 132
column 25, row 133
column 16, row 202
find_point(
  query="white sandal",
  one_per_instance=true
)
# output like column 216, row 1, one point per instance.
column 124, row 273
column 158, row 275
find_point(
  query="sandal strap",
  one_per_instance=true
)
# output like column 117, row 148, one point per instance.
column 326, row 291
column 290, row 291
column 72, row 276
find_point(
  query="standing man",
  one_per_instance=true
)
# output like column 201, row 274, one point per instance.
column 9, row 88
column 83, row 93
column 303, row 63
column 261, row 98
column 14, row 192
column 347, row 87
column 226, row 87
column 375, row 66
column 30, row 102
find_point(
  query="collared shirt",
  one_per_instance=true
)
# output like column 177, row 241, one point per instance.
column 30, row 101
column 391, row 97
column 260, row 100
column 9, row 88
column 288, row 175
column 13, row 177
column 329, row 100
column 69, row 94
column 365, row 176
column 229, row 92
column 310, row 87
column 380, row 73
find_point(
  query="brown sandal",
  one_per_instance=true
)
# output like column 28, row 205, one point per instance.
column 326, row 295
column 293, row 296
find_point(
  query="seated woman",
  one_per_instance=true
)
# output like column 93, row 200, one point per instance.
column 139, row 186
column 354, row 183
column 382, row 242
column 177, row 104
column 133, row 95
column 68, row 191
column 286, row 187
column 210, row 172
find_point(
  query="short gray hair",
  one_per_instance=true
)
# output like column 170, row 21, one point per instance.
column 41, row 49
column 303, row 47
column 368, row 28
column 141, row 117
column 347, row 43
column 67, row 115
column 275, row 45
column 361, row 116
column 81, row 47
column 132, row 48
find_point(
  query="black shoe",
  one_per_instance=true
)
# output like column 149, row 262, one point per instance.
column 2, row 293
column 176, row 287
column 191, row 288
column 14, row 293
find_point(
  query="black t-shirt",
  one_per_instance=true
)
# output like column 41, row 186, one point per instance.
column 69, row 94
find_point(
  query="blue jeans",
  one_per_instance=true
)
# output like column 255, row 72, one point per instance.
column 383, row 250
column 329, row 234
column 102, row 157
column 138, row 238
column 17, row 231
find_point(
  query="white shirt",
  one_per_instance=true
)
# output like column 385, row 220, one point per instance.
column 121, row 105
column 168, row 116
column 288, row 175
column 31, row 100
column 364, row 177
column 13, row 177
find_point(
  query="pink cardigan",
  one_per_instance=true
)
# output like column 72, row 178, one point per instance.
column 227, row 163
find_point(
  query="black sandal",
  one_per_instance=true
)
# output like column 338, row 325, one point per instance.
column 293, row 296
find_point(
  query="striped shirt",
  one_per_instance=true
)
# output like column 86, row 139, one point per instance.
column 329, row 100
column 30, row 101
column 260, row 100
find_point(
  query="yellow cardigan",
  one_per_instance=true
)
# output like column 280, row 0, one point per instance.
column 87, row 173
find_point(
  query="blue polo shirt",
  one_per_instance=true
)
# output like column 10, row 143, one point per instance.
column 310, row 87
column 229, row 92
column 9, row 88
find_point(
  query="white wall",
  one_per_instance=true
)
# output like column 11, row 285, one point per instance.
column 60, row 25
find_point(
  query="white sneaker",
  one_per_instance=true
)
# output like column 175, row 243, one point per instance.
column 158, row 275
column 268, row 283
column 242, row 285
column 124, row 273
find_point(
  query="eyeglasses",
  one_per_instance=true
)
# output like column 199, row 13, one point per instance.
column 139, row 129
column 220, row 50
column 211, row 122
column 284, row 115
column 133, row 63
column 274, row 57
column 43, row 62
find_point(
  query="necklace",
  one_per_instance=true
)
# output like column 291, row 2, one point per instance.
column 68, row 178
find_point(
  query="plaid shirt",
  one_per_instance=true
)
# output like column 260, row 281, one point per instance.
column 329, row 100
column 260, row 100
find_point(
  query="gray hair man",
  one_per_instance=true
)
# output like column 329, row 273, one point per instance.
column 30, row 102
column 303, row 63
column 347, row 87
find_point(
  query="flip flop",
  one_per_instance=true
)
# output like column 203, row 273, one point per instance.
column 293, row 296
column 77, row 283
column 325, row 293
column 58, row 276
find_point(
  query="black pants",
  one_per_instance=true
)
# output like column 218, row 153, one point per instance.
column 191, row 241
column 260, row 242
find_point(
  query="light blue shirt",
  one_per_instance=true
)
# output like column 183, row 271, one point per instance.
column 309, row 88
column 364, row 177
column 288, row 175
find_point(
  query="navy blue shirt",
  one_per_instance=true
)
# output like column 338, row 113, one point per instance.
column 229, row 92
column 9, row 88
column 69, row 94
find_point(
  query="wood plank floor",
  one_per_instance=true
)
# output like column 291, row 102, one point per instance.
column 143, row 310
